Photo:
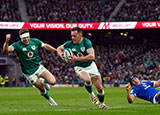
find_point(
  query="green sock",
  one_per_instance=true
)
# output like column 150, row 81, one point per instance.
column 46, row 95
column 100, row 97
column 45, row 81
column 89, row 88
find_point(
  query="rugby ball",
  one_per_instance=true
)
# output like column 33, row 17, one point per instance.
column 67, row 52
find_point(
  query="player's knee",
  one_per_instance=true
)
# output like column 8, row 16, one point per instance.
column 88, row 82
column 158, row 95
column 99, row 89
column 42, row 90
column 40, row 87
column 53, row 82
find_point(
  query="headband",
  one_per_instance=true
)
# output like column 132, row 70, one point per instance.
column 24, row 35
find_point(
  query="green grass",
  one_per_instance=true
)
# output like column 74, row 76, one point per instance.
column 71, row 101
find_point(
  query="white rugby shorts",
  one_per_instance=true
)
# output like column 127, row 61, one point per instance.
column 155, row 100
column 91, row 70
column 33, row 78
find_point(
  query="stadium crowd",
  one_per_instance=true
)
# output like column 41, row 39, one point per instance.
column 139, row 10
column 9, row 10
column 70, row 10
column 81, row 11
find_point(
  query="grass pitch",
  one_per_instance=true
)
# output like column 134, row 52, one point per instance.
column 71, row 101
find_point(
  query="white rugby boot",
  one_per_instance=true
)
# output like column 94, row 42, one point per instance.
column 93, row 98
column 52, row 102
column 103, row 106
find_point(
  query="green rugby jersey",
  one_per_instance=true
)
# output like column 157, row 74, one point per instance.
column 28, row 55
column 80, row 50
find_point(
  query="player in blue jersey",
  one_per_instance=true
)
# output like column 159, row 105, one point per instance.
column 144, row 90
column 27, row 51
column 84, row 64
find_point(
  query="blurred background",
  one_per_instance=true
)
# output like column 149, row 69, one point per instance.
column 119, row 52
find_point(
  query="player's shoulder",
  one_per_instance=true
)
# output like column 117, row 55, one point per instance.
column 17, row 43
column 69, row 42
column 34, row 39
column 86, row 39
column 145, row 81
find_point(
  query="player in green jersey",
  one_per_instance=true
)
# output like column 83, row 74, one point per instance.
column 85, row 66
column 27, row 51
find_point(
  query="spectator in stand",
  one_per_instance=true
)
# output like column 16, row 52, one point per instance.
column 13, row 81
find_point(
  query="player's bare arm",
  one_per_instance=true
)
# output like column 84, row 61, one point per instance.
column 157, row 83
column 49, row 47
column 6, row 47
column 60, row 51
column 90, row 56
column 130, row 98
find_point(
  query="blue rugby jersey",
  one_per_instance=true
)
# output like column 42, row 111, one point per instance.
column 145, row 90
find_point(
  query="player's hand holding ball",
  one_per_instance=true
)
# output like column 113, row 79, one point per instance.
column 68, row 55
column 72, row 59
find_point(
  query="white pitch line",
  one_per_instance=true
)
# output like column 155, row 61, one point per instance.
column 112, row 109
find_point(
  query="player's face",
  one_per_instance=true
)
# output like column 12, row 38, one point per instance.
column 136, row 81
column 25, row 40
column 76, row 37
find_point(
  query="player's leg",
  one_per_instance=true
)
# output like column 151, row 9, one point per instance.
column 40, row 85
column 49, row 78
column 86, row 78
column 35, row 80
column 46, row 85
column 46, row 76
column 158, row 97
column 97, row 82
column 88, row 85
column 83, row 75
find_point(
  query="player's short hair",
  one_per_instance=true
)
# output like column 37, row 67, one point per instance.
column 22, row 31
column 78, row 29
column 131, row 78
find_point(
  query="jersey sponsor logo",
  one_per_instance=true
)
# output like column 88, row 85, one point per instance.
column 82, row 49
column 80, row 55
column 24, row 49
column 33, row 47
column 30, row 54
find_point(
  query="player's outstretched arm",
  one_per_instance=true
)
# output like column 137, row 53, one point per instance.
column 49, row 47
column 130, row 97
column 6, row 47
column 60, row 51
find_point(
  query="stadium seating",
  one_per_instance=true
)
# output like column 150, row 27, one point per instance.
column 139, row 10
column 9, row 10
